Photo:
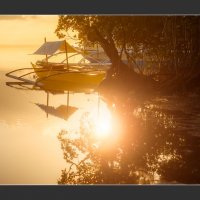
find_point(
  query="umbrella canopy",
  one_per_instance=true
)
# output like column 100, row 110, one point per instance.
column 49, row 48
column 62, row 111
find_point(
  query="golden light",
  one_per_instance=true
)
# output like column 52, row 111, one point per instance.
column 102, row 123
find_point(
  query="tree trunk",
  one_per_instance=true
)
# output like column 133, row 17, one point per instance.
column 120, row 77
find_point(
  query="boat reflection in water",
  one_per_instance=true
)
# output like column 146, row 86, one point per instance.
column 61, row 111
column 125, row 143
column 99, row 114
column 101, row 147
column 55, row 88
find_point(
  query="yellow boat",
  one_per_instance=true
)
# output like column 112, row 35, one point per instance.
column 84, row 73
column 70, row 76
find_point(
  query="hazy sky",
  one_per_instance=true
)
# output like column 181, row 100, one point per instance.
column 27, row 29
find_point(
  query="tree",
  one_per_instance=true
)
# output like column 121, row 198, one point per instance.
column 143, row 149
column 149, row 143
column 168, row 44
column 148, row 146
column 112, row 33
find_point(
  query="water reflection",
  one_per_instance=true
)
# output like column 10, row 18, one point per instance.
column 126, row 140
column 28, row 138
column 146, row 147
column 62, row 111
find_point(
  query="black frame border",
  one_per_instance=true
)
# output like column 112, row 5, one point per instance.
column 125, row 7
column 100, row 7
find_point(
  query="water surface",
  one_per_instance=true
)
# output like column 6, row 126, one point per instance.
column 29, row 149
column 135, row 141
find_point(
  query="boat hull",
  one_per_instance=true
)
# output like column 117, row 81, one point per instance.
column 70, row 76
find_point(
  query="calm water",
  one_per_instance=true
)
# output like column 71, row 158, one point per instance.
column 30, row 149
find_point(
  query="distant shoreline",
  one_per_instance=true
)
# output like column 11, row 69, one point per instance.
column 17, row 45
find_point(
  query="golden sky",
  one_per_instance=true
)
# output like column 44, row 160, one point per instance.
column 27, row 29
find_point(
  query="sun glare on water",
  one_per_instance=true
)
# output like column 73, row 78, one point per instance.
column 101, row 122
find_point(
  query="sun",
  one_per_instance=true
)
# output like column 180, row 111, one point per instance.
column 102, row 123
column 103, row 126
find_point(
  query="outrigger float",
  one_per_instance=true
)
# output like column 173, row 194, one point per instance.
column 89, row 71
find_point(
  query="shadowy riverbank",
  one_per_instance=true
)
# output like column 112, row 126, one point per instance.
column 168, row 131
column 157, row 142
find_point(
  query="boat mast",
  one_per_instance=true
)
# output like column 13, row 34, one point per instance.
column 66, row 55
column 46, row 54
column 47, row 103
column 67, row 102
column 97, row 51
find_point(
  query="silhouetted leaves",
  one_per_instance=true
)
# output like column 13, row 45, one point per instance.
column 166, row 48
column 150, row 145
